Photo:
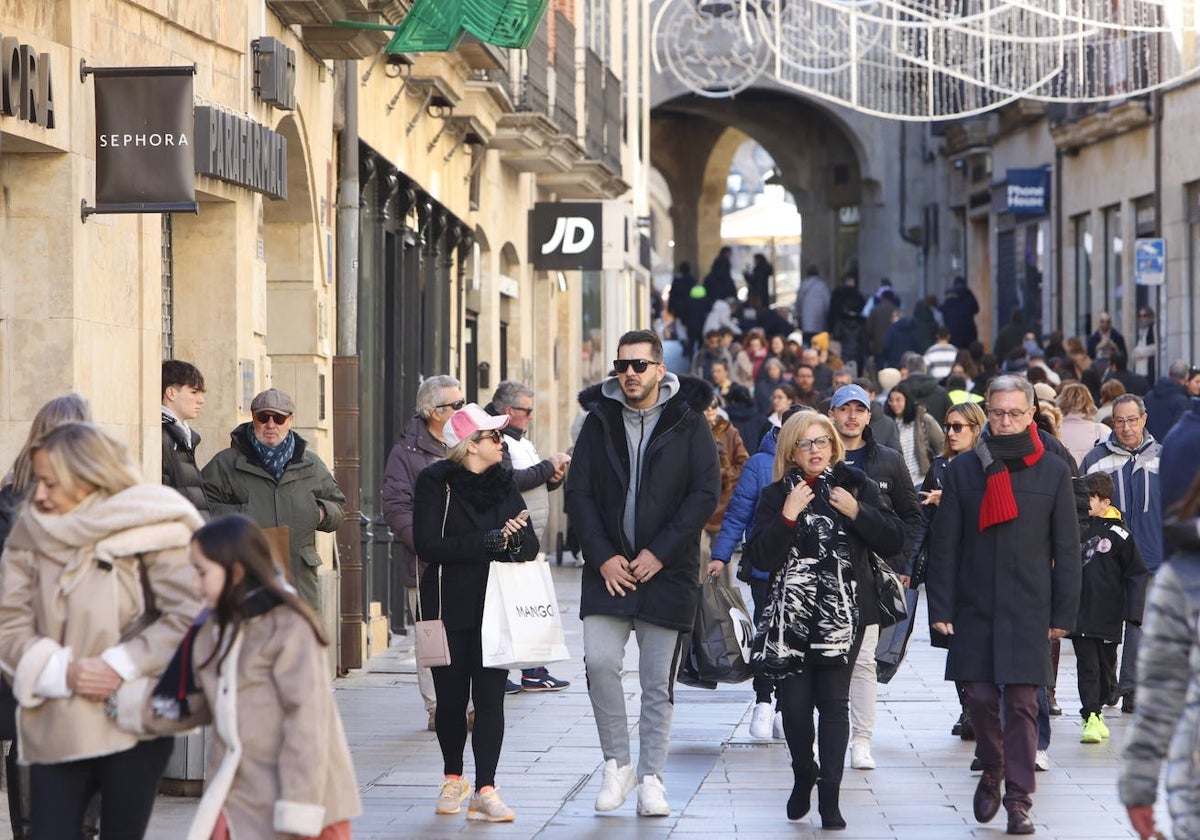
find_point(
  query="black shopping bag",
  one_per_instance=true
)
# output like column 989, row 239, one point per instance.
column 893, row 640
column 721, row 635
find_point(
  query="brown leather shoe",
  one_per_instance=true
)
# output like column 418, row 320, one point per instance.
column 987, row 797
column 1019, row 822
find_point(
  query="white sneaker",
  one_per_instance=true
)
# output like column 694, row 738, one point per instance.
column 652, row 798
column 1042, row 760
column 777, row 728
column 860, row 756
column 618, row 782
column 760, row 721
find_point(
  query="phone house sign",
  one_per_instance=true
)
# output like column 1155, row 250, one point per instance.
column 26, row 91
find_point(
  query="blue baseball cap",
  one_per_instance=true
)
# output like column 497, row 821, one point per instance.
column 849, row 394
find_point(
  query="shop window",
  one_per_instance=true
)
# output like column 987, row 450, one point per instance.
column 1081, row 227
column 1114, row 247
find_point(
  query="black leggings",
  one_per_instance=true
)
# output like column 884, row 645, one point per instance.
column 126, row 781
column 466, row 678
column 824, row 687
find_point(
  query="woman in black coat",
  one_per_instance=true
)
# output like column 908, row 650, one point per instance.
column 467, row 512
column 815, row 529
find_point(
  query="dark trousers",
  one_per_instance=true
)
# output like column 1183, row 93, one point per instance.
column 1096, row 661
column 824, row 687
column 465, row 679
column 1008, row 748
column 126, row 781
column 1133, row 640
column 759, row 592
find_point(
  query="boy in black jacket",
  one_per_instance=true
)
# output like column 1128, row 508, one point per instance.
column 1114, row 590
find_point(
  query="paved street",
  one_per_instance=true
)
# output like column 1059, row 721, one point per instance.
column 720, row 783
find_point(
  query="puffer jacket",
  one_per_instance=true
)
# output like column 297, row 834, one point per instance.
column 678, row 482
column 179, row 468
column 73, row 581
column 235, row 481
column 739, row 513
column 1166, row 725
column 1139, row 496
column 416, row 450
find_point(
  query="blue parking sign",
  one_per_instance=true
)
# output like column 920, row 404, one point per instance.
column 1150, row 262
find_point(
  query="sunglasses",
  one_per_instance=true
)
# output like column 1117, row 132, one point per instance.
column 265, row 417
column 527, row 411
column 456, row 405
column 638, row 365
column 494, row 434
column 957, row 428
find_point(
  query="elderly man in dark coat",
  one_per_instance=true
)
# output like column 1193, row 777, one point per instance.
column 1007, row 530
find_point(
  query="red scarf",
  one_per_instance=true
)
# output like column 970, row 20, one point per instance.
column 999, row 503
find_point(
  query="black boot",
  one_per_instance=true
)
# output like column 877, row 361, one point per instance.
column 827, row 804
column 967, row 733
column 801, row 799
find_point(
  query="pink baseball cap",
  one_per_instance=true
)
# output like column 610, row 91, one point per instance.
column 468, row 420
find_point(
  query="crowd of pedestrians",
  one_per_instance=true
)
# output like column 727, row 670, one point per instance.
column 1055, row 479
column 1037, row 493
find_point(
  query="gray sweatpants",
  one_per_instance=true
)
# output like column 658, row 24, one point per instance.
column 604, row 641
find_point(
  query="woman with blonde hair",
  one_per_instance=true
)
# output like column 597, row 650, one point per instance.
column 815, row 529
column 1109, row 391
column 65, row 409
column 1079, row 431
column 96, row 593
column 467, row 512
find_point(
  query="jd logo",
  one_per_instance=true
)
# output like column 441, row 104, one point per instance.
column 567, row 235
column 572, row 235
column 743, row 628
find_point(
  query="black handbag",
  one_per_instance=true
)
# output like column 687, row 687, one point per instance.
column 889, row 591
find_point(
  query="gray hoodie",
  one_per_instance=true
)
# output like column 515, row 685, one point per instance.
column 639, row 427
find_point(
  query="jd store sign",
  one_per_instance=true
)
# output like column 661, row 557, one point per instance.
column 577, row 235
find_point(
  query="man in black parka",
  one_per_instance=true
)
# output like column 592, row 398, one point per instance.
column 644, row 480
column 1004, row 576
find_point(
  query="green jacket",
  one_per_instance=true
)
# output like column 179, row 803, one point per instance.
column 236, row 482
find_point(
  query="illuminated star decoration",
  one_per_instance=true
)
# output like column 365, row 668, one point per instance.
column 438, row 25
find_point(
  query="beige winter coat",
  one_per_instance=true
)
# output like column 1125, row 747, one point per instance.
column 279, row 765
column 72, row 581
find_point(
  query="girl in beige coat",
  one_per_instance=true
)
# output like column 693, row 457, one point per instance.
column 94, row 593
column 254, row 664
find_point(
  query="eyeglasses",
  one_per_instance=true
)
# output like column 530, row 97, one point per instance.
column 638, row 365
column 494, row 435
column 527, row 411
column 1127, row 421
column 957, row 428
column 265, row 417
column 456, row 405
column 999, row 414
column 805, row 444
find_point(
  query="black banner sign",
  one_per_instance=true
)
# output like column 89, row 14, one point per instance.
column 144, row 142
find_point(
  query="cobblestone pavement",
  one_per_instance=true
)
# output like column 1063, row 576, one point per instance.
column 720, row 782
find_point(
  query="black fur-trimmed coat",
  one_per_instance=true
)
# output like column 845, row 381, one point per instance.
column 680, row 486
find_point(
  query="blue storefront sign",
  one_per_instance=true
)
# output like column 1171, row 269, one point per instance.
column 1028, row 191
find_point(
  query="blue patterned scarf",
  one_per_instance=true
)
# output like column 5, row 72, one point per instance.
column 275, row 460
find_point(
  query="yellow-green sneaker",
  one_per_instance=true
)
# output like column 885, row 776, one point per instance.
column 1103, row 726
column 450, row 798
column 1092, row 731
